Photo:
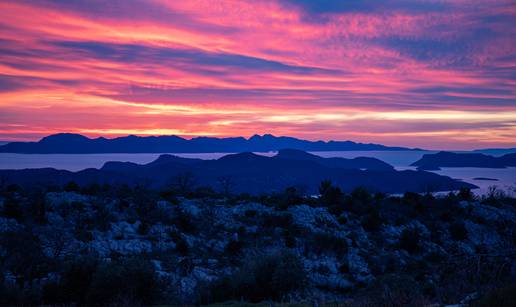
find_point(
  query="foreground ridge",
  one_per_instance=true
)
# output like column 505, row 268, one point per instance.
column 106, row 245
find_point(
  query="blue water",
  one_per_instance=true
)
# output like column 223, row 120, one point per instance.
column 506, row 178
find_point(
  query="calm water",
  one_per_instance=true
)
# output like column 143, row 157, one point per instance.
column 506, row 178
column 77, row 162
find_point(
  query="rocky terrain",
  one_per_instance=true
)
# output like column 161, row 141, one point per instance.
column 120, row 246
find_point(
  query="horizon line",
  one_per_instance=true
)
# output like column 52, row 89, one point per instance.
column 191, row 137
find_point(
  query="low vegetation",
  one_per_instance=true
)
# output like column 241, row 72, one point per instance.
column 119, row 246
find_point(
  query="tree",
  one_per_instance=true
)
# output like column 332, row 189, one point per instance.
column 330, row 194
column 466, row 194
column 185, row 182
column 71, row 187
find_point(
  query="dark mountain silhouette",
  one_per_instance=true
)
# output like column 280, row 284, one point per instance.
column 508, row 159
column 450, row 159
column 248, row 172
column 76, row 143
column 355, row 163
column 495, row 151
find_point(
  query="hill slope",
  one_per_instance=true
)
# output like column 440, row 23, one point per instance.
column 249, row 173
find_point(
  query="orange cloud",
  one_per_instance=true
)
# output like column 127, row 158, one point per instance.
column 396, row 75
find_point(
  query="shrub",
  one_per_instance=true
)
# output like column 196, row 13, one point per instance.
column 22, row 254
column 143, row 229
column 344, row 268
column 76, row 278
column 234, row 247
column 458, row 231
column 185, row 222
column 12, row 209
column 259, row 278
column 409, row 240
column 181, row 246
column 272, row 220
column 323, row 242
column 129, row 281
column 87, row 281
column 290, row 239
column 372, row 221
column 465, row 194
column 503, row 297
column 330, row 194
column 361, row 195
column 292, row 196
column 342, row 220
column 71, row 187
column 270, row 277
column 250, row 213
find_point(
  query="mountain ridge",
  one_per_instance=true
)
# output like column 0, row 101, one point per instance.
column 248, row 173
column 69, row 143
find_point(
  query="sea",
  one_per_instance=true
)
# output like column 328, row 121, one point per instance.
column 484, row 178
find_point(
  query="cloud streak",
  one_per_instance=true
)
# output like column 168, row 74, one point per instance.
column 437, row 74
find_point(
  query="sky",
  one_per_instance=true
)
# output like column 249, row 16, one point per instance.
column 437, row 74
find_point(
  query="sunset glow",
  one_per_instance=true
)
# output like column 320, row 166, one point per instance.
column 421, row 73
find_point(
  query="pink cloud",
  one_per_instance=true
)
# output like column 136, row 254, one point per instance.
column 228, row 68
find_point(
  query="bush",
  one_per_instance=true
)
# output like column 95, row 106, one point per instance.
column 259, row 278
column 143, row 229
column 75, row 280
column 292, row 196
column 361, row 195
column 234, row 247
column 465, row 194
column 12, row 209
column 290, row 239
column 504, row 297
column 272, row 220
column 344, row 268
column 87, row 281
column 372, row 221
column 323, row 242
column 330, row 194
column 185, row 222
column 458, row 231
column 269, row 277
column 22, row 254
column 409, row 240
column 181, row 246
column 250, row 213
column 130, row 281
column 71, row 187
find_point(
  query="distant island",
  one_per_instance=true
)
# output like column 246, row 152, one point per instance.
column 495, row 151
column 248, row 173
column 450, row 159
column 485, row 179
column 67, row 143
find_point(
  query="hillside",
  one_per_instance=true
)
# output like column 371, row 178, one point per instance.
column 249, row 173
column 102, row 245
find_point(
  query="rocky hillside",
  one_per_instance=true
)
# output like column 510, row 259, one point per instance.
column 121, row 246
